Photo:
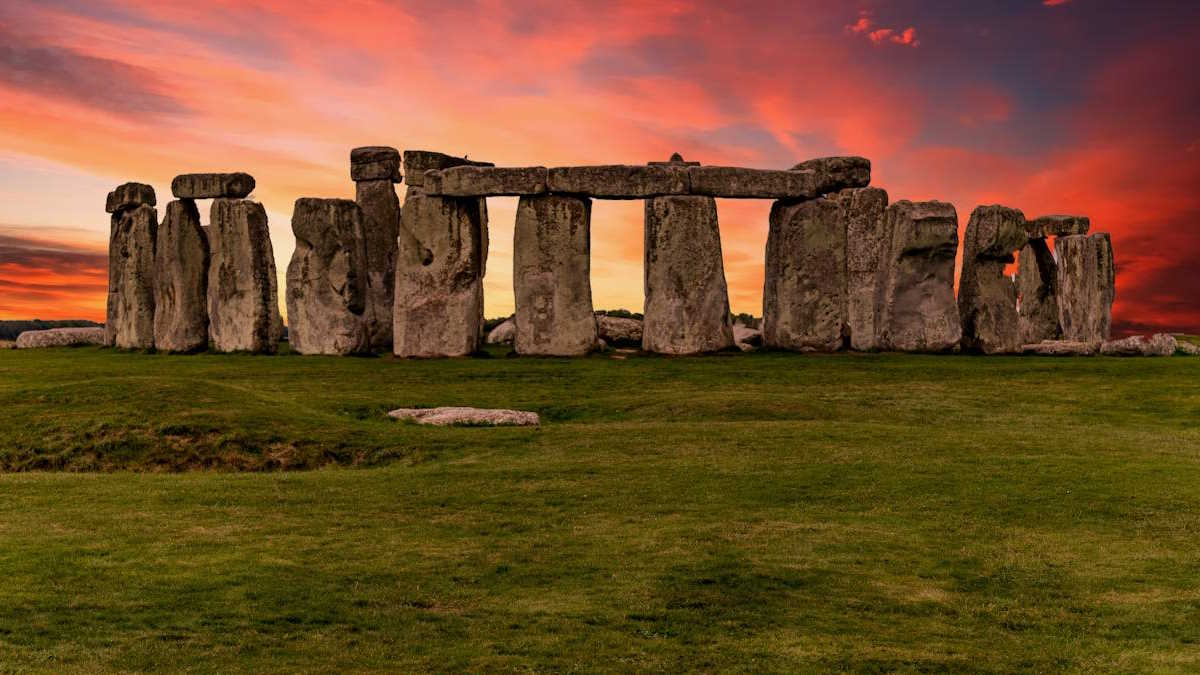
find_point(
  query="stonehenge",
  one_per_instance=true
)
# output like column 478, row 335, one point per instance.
column 551, row 276
column 181, row 262
column 326, row 279
column 844, row 269
column 375, row 170
column 987, row 299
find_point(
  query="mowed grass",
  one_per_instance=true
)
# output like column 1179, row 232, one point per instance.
column 760, row 512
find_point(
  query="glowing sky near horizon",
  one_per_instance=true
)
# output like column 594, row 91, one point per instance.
column 1050, row 106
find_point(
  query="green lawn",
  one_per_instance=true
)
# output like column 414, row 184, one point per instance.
column 760, row 512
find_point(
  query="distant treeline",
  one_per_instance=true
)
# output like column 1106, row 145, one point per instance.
column 9, row 330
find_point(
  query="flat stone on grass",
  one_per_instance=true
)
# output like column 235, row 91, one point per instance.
column 468, row 417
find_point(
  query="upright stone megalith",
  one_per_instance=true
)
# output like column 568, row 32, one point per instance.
column 821, row 261
column 375, row 170
column 687, row 302
column 1037, row 277
column 552, row 277
column 915, row 306
column 327, row 278
column 440, row 262
column 243, row 295
column 987, row 299
column 133, row 232
column 181, row 262
column 1086, row 276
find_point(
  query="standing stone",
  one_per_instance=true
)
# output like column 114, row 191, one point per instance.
column 1037, row 293
column 243, row 296
column 130, row 313
column 987, row 299
column 181, row 280
column 1086, row 276
column 804, row 290
column 687, row 302
column 374, row 170
column 442, row 250
column 552, row 277
column 862, row 211
column 326, row 279
column 915, row 306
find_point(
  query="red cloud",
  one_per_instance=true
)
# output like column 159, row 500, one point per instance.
column 1054, row 3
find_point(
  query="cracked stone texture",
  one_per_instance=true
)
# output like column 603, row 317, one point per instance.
column 58, row 337
column 987, row 298
column 804, row 289
column 129, row 322
column 552, row 277
column 181, row 260
column 128, row 196
column 375, row 162
column 326, row 279
column 1086, row 277
column 212, row 185
column 1037, row 292
column 381, row 227
column 916, row 310
column 687, row 301
column 440, row 263
column 862, row 211
column 243, row 294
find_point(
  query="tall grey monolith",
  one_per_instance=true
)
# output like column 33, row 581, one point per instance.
column 1037, row 293
column 327, row 278
column 551, row 276
column 915, row 306
column 1086, row 276
column 181, row 260
column 133, row 232
column 987, row 298
column 243, row 295
column 375, row 170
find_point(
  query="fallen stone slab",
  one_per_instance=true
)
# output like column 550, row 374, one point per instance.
column 746, row 338
column 552, row 276
column 987, row 298
column 482, row 181
column 470, row 417
column 687, row 300
column 417, row 162
column 1057, row 226
column 375, row 162
column 181, row 260
column 915, row 303
column 128, row 196
column 619, row 181
column 1061, row 348
column 12, row 344
column 326, row 278
column 850, row 171
column 502, row 334
column 212, row 185
column 618, row 331
column 129, row 321
column 1086, row 279
column 243, row 293
column 1037, row 293
column 60, row 337
column 1159, row 344
column 1188, row 348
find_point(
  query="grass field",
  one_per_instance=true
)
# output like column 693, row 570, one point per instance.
column 760, row 512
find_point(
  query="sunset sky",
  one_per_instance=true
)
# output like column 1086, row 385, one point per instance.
column 1049, row 106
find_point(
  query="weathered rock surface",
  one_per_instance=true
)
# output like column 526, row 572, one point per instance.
column 471, row 417
column 439, row 273
column 128, row 196
column 552, row 276
column 740, row 183
column 503, row 334
column 417, row 162
column 181, row 280
column 326, row 279
column 375, row 162
column 477, row 181
column 381, row 227
column 847, row 172
column 618, row 331
column 687, row 302
column 862, row 211
column 12, row 344
column 1061, row 348
column 746, row 338
column 1086, row 277
column 619, row 181
column 1159, row 344
column 1188, row 348
column 1037, row 293
column 212, row 185
column 916, row 310
column 987, row 299
column 243, row 295
column 60, row 337
column 1057, row 226
column 130, row 312
column 804, row 290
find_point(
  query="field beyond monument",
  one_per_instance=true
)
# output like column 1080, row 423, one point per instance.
column 768, row 511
